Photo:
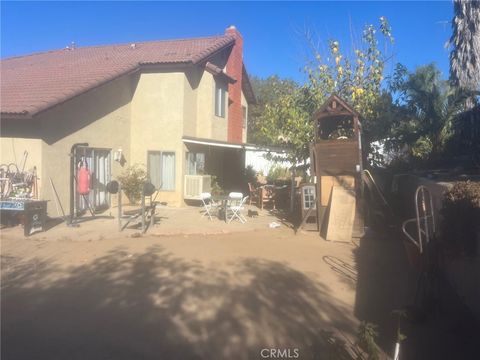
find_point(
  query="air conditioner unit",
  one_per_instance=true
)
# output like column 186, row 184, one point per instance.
column 195, row 185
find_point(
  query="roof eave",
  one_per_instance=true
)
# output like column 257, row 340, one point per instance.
column 216, row 71
column 25, row 115
column 48, row 105
column 206, row 55
column 350, row 109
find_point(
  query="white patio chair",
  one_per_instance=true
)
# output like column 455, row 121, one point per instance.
column 234, row 199
column 208, row 204
column 236, row 208
column 235, row 196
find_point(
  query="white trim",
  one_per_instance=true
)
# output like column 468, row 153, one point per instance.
column 213, row 144
column 250, row 147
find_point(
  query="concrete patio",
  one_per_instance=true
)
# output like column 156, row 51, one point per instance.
column 168, row 221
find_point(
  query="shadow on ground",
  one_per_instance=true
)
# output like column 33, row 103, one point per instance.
column 156, row 306
column 386, row 282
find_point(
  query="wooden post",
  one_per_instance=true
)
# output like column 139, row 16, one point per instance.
column 143, row 210
column 152, row 215
column 292, row 192
column 119, row 207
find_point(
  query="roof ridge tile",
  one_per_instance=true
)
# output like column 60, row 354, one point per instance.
column 115, row 44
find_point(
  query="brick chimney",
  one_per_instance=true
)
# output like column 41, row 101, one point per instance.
column 234, row 69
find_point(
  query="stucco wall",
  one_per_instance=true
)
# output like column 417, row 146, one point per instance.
column 157, row 123
column 137, row 113
column 192, row 80
column 210, row 126
column 99, row 117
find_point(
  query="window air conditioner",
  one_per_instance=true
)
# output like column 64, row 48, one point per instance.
column 195, row 185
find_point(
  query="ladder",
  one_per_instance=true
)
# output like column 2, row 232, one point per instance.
column 427, row 298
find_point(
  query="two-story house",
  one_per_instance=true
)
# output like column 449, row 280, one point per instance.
column 177, row 106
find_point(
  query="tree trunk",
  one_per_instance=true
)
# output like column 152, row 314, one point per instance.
column 292, row 192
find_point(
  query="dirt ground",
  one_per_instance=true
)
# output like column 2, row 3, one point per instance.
column 191, row 288
column 173, row 293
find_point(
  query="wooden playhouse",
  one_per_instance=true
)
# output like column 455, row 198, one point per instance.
column 337, row 162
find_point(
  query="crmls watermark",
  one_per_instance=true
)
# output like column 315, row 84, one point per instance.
column 280, row 353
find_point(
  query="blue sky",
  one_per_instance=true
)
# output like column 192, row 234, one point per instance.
column 272, row 31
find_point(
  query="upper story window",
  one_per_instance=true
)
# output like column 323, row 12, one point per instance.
column 244, row 116
column 220, row 98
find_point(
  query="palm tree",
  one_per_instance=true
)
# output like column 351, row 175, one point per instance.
column 465, row 55
column 431, row 105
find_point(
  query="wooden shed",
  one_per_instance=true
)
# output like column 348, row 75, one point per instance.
column 336, row 158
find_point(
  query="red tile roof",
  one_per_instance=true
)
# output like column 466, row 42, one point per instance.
column 32, row 83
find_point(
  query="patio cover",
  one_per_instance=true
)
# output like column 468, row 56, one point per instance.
column 225, row 144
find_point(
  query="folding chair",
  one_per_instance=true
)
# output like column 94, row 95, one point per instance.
column 208, row 204
column 234, row 199
column 266, row 196
column 236, row 208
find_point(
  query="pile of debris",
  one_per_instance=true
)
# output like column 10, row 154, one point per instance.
column 16, row 183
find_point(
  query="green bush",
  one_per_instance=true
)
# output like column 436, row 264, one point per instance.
column 132, row 180
column 341, row 348
column 278, row 172
column 461, row 217
column 216, row 188
column 250, row 175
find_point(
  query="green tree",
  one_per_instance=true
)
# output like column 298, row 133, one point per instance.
column 267, row 91
column 426, row 107
column 465, row 71
column 287, row 123
column 465, row 41
column 357, row 79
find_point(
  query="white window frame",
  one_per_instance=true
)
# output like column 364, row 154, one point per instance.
column 309, row 197
column 220, row 98
column 161, row 152
column 187, row 162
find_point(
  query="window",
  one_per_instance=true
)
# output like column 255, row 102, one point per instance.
column 244, row 112
column 161, row 169
column 195, row 163
column 308, row 197
column 220, row 95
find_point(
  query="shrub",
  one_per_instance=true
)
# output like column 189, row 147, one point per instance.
column 216, row 188
column 132, row 180
column 250, row 175
column 277, row 172
column 461, row 217
column 342, row 348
